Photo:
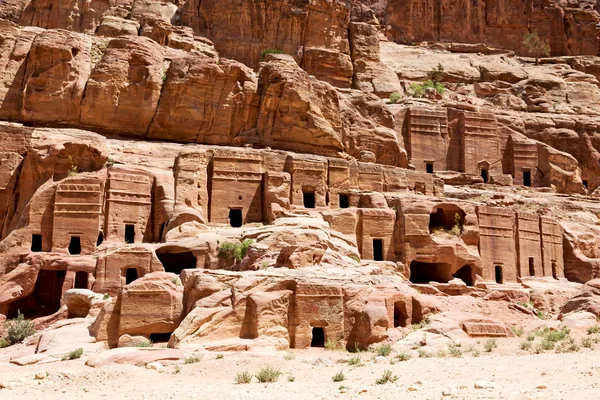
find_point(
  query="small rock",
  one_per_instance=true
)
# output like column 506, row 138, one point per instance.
column 542, row 387
column 40, row 375
column 485, row 385
column 412, row 388
column 154, row 365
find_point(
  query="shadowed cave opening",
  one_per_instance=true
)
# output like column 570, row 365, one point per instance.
column 45, row 299
column 344, row 201
column 498, row 274
column 235, row 217
column 81, row 280
column 177, row 262
column 484, row 175
column 318, row 337
column 451, row 219
column 36, row 243
column 465, row 274
column 129, row 233
column 378, row 249
column 400, row 314
column 309, row 199
column 424, row 272
column 526, row 178
column 75, row 245
column 130, row 275
column 531, row 267
column 160, row 337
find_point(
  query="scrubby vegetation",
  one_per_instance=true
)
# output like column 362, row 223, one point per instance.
column 395, row 97
column 535, row 46
column 17, row 330
column 234, row 251
column 264, row 53
column 243, row 377
column 268, row 374
column 73, row 355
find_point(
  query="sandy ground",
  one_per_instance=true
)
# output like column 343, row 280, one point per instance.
column 526, row 376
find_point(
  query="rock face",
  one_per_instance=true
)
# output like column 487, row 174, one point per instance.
column 570, row 30
column 276, row 174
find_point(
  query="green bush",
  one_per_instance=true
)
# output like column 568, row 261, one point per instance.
column 384, row 350
column 331, row 344
column 517, row 331
column 75, row 354
column 264, row 53
column 339, row 377
column 147, row 343
column 395, row 97
column 490, row 345
column 525, row 345
column 18, row 329
column 193, row 359
column 268, row 374
column 355, row 361
column 437, row 73
column 403, row 356
column 455, row 351
column 234, row 251
column 386, row 377
column 535, row 46
column 593, row 329
column 419, row 89
column 243, row 377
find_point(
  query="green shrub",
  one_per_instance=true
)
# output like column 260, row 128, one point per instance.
column 593, row 329
column 331, row 344
column 525, row 345
column 517, row 331
column 423, row 354
column 234, row 251
column 403, row 356
column 73, row 355
column 535, row 46
column 291, row 378
column 475, row 352
column 264, row 53
column 586, row 342
column 288, row 356
column 384, row 350
column 193, row 359
column 419, row 89
column 177, row 369
column 437, row 73
column 220, row 356
column 355, row 257
column 395, row 97
column 4, row 343
column 547, row 344
column 355, row 361
column 339, row 377
column 268, row 374
column 455, row 351
column 73, row 169
column 386, row 377
column 243, row 377
column 530, row 337
column 147, row 343
column 490, row 345
column 18, row 329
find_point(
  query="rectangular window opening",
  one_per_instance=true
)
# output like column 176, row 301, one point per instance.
column 344, row 201
column 309, row 199
column 129, row 233
column 378, row 249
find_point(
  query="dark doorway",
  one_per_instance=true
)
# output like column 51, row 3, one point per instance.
column 75, row 245
column 423, row 272
column 484, row 175
column 160, row 337
column 309, row 199
column 129, row 233
column 585, row 183
column 344, row 201
column 81, row 280
column 429, row 167
column 400, row 314
column 46, row 294
column 318, row 337
column 465, row 274
column 36, row 243
column 100, row 238
column 177, row 262
column 531, row 267
column 378, row 249
column 449, row 219
column 130, row 275
column 235, row 217
column 499, row 277
column 527, row 178
column 554, row 272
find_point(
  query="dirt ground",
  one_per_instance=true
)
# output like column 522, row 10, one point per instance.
column 521, row 376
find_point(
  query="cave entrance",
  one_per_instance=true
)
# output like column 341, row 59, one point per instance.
column 378, row 249
column 81, row 280
column 484, row 175
column 235, row 217
column 318, row 337
column 429, row 167
column 585, row 183
column 465, row 274
column 45, row 299
column 531, row 267
column 129, row 233
column 100, row 238
column 36, row 242
column 400, row 314
column 424, row 272
column 130, row 275
column 344, row 201
column 75, row 245
column 177, row 262
column 554, row 272
column 498, row 273
column 160, row 337
column 526, row 178
column 309, row 199
column 449, row 219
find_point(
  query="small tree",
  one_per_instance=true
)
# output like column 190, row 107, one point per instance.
column 535, row 46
